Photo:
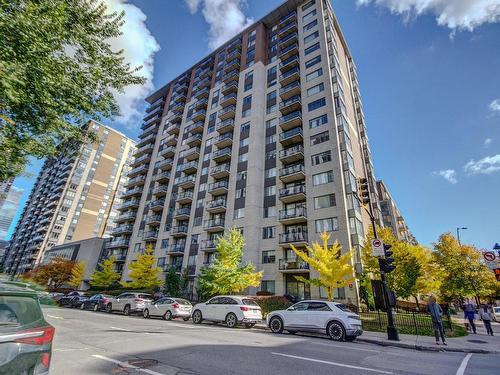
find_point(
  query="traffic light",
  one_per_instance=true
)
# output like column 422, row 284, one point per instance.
column 363, row 193
column 386, row 263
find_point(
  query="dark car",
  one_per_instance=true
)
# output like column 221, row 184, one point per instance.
column 77, row 301
column 25, row 336
column 97, row 302
column 68, row 299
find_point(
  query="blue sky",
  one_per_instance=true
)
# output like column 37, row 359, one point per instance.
column 428, row 91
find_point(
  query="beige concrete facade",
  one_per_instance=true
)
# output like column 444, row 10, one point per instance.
column 72, row 199
column 266, row 134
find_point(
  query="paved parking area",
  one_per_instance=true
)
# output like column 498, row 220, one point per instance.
column 87, row 342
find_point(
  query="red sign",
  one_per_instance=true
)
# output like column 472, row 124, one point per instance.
column 497, row 273
column 489, row 256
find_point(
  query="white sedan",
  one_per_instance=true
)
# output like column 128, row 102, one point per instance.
column 168, row 308
column 332, row 318
column 232, row 310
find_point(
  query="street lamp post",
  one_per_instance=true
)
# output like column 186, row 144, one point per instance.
column 458, row 233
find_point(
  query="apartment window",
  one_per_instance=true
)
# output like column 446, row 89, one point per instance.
column 270, row 191
column 206, row 157
column 270, row 173
column 311, row 37
column 322, row 178
column 267, row 286
column 271, row 102
column 268, row 256
column 215, row 99
column 316, row 104
column 268, row 232
column 319, row 138
column 324, row 201
column 250, row 57
column 197, row 221
column 313, row 75
column 194, row 239
column 272, row 75
column 245, row 127
column 313, row 61
column 239, row 213
column 315, row 89
column 164, row 244
column 309, row 15
column 321, row 158
column 202, row 187
column 271, row 123
column 137, row 247
column 243, row 157
column 271, row 155
column 270, row 211
column 244, row 142
column 247, row 106
column 326, row 225
column 308, row 5
column 318, row 121
column 241, row 193
column 241, row 176
column 310, row 25
column 204, row 171
column 199, row 203
column 270, row 139
column 248, row 81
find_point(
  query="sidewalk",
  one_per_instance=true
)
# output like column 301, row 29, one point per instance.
column 479, row 343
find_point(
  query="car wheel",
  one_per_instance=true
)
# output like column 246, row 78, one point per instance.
column 197, row 317
column 109, row 308
column 145, row 313
column 126, row 310
column 96, row 307
column 249, row 325
column 231, row 320
column 168, row 315
column 350, row 338
column 336, row 331
column 82, row 307
column 276, row 324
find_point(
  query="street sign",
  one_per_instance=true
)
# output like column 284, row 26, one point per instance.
column 497, row 273
column 496, row 247
column 377, row 248
column 489, row 256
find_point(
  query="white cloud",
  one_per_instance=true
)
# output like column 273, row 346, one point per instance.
column 487, row 165
column 448, row 174
column 495, row 106
column 224, row 17
column 454, row 14
column 487, row 142
column 139, row 47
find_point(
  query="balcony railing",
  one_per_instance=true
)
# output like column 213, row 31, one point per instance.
column 224, row 184
column 222, row 153
column 298, row 189
column 185, row 180
column 292, row 170
column 117, row 243
column 181, row 229
column 292, row 237
column 184, row 195
column 213, row 223
column 158, row 203
column 221, row 168
column 293, row 213
column 292, row 264
column 150, row 235
column 216, row 203
column 185, row 211
column 291, row 151
column 226, row 125
column 153, row 219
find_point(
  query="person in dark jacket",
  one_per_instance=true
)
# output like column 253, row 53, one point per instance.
column 436, row 313
column 469, row 315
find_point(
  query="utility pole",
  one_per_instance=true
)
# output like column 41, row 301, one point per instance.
column 364, row 198
column 458, row 233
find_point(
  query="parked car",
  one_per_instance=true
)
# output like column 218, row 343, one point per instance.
column 77, row 302
column 496, row 313
column 332, row 318
column 129, row 302
column 97, row 302
column 67, row 298
column 232, row 310
column 25, row 336
column 168, row 308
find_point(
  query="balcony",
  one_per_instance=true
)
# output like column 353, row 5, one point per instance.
column 117, row 243
column 171, row 140
column 291, row 136
column 292, row 154
column 214, row 225
column 157, row 205
column 233, row 63
column 179, row 231
column 191, row 154
column 122, row 229
column 184, row 197
column 132, row 192
column 141, row 160
column 143, row 149
column 208, row 245
column 194, row 140
column 168, row 152
column 176, row 248
column 223, row 140
column 172, row 128
column 160, row 190
column 151, row 235
column 233, row 55
column 291, row 120
column 189, row 168
column 227, row 113
column 293, row 238
column 201, row 104
column 206, row 72
column 127, row 216
column 204, row 93
column 153, row 107
column 120, row 257
column 293, row 265
column 219, row 187
column 290, row 76
column 163, row 177
column 293, row 216
column 287, row 28
column 185, row 182
column 220, row 171
column 229, row 99
column 126, row 205
column 153, row 220
column 292, row 89
column 288, row 40
column 175, row 117
column 293, row 173
column 179, row 98
column 222, row 155
column 199, row 115
column 146, row 140
column 230, row 87
column 231, row 76
column 176, row 266
column 164, row 165
column 289, row 51
column 139, row 180
column 225, row 126
column 216, row 206
column 142, row 169
column 182, row 213
column 151, row 118
column 196, row 127
column 285, row 20
column 152, row 128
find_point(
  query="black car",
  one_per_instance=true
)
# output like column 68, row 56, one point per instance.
column 25, row 336
column 77, row 301
column 97, row 302
column 68, row 299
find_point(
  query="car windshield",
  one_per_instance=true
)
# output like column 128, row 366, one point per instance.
column 343, row 307
column 145, row 296
column 18, row 310
column 183, row 301
column 249, row 302
column 497, row 309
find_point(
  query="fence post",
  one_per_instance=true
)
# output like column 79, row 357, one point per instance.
column 415, row 322
column 448, row 316
column 379, row 320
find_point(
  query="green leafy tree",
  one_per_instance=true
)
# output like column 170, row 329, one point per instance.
column 334, row 268
column 105, row 276
column 227, row 275
column 77, row 274
column 173, row 283
column 143, row 272
column 57, row 70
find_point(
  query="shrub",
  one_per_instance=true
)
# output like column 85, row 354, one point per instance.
column 272, row 303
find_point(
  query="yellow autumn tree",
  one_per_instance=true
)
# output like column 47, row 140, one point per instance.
column 334, row 268
column 77, row 274
column 143, row 272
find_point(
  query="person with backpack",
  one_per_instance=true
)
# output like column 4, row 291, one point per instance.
column 486, row 316
column 469, row 315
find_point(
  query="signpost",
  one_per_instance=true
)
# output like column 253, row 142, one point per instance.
column 489, row 256
column 377, row 248
column 492, row 260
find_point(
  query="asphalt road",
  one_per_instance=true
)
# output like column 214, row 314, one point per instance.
column 87, row 342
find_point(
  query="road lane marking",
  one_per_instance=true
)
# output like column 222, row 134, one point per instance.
column 127, row 365
column 55, row 317
column 463, row 365
column 347, row 347
column 120, row 329
column 69, row 350
column 331, row 363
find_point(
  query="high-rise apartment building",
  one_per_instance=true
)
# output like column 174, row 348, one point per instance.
column 266, row 134
column 71, row 199
column 8, row 208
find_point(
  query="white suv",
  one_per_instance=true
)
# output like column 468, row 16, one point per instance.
column 232, row 310
column 129, row 302
column 168, row 308
column 332, row 318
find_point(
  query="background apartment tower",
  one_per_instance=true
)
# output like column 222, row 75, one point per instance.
column 8, row 208
column 71, row 200
column 266, row 134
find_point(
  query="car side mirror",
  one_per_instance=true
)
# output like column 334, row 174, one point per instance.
column 291, row 308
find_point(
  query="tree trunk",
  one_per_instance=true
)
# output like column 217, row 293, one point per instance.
column 416, row 301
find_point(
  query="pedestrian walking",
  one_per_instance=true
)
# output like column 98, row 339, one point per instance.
column 486, row 315
column 436, row 313
column 469, row 315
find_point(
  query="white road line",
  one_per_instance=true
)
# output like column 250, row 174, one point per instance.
column 347, row 347
column 120, row 329
column 55, row 317
column 68, row 350
column 331, row 363
column 126, row 365
column 463, row 365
